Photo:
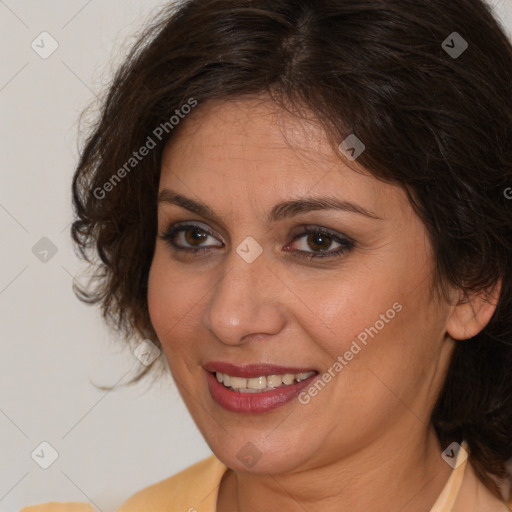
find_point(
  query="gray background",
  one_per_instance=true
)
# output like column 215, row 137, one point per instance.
column 109, row 444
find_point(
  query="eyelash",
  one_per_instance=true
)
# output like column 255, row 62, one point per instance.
column 346, row 243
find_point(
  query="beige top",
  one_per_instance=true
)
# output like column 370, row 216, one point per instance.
column 464, row 492
column 195, row 489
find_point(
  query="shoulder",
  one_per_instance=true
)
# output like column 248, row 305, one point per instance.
column 59, row 507
column 474, row 495
column 194, row 488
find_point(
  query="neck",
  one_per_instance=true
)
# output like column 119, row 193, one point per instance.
column 401, row 477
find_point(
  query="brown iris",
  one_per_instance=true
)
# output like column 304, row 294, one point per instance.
column 195, row 236
column 319, row 242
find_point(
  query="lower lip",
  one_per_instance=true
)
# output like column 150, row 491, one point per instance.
column 236, row 401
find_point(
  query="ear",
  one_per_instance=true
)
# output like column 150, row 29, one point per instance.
column 472, row 313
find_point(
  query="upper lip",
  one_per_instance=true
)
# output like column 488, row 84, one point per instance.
column 252, row 370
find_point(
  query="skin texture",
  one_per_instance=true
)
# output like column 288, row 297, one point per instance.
column 364, row 443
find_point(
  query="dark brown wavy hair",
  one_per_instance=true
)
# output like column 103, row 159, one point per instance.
column 435, row 123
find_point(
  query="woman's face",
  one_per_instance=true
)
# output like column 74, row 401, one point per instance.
column 282, row 281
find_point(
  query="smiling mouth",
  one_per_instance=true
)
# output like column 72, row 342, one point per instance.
column 262, row 383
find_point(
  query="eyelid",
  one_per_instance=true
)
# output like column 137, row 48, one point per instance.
column 312, row 229
column 346, row 244
column 301, row 230
column 173, row 229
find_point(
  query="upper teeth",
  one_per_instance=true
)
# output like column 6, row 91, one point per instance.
column 263, row 383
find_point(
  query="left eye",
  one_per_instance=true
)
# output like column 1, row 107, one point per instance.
column 318, row 243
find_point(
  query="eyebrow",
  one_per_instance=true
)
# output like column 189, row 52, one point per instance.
column 280, row 211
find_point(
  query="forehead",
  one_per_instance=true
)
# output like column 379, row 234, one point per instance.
column 251, row 131
column 255, row 147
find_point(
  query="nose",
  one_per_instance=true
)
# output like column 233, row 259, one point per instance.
column 246, row 302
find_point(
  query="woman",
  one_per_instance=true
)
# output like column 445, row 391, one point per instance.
column 306, row 205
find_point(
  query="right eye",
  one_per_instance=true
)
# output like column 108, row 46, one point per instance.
column 188, row 237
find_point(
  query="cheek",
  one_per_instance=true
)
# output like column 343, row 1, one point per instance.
column 337, row 310
column 377, row 318
column 157, row 297
column 170, row 299
column 176, row 299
